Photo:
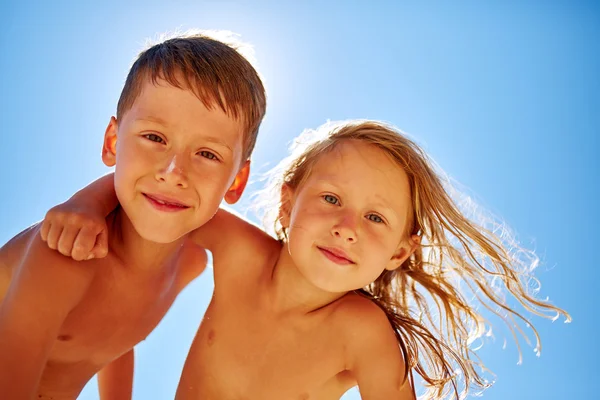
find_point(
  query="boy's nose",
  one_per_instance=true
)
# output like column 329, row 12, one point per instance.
column 173, row 173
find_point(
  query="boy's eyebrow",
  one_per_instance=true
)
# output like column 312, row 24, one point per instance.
column 160, row 121
column 218, row 141
column 150, row 118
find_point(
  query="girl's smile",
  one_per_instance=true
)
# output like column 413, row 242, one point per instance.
column 338, row 256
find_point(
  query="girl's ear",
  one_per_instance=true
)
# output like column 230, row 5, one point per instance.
column 405, row 250
column 109, row 146
column 285, row 207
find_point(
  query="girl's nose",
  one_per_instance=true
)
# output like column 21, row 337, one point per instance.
column 345, row 230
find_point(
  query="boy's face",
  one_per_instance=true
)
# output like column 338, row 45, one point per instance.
column 175, row 161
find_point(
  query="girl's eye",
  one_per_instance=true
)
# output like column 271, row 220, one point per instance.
column 154, row 138
column 331, row 199
column 375, row 218
column 208, row 154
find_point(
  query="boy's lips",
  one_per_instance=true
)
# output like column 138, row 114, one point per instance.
column 336, row 255
column 165, row 203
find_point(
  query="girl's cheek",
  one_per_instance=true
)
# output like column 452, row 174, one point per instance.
column 377, row 241
column 320, row 213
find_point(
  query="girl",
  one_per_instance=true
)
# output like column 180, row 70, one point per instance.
column 369, row 280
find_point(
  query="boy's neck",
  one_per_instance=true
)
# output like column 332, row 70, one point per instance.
column 134, row 251
column 290, row 291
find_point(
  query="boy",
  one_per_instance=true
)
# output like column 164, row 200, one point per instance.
column 186, row 124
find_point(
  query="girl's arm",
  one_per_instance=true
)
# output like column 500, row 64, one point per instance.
column 234, row 242
column 77, row 228
column 374, row 357
column 225, row 227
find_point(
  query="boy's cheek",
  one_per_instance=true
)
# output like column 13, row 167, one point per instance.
column 133, row 162
column 209, row 184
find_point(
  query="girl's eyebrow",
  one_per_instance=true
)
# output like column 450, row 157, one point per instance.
column 385, row 209
column 329, row 179
column 379, row 204
column 383, row 205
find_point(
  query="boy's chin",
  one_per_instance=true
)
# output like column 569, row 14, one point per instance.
column 160, row 234
column 162, row 239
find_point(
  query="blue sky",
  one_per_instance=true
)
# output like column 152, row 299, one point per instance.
column 505, row 96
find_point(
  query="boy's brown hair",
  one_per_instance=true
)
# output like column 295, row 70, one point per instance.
column 213, row 70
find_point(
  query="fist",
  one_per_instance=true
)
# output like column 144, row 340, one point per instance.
column 75, row 233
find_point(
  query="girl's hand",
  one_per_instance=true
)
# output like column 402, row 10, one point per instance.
column 75, row 231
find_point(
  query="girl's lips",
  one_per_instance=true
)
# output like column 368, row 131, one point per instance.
column 163, row 203
column 336, row 255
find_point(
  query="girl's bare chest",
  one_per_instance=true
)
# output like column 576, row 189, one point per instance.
column 243, row 352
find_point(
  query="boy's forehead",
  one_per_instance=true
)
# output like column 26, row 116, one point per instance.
column 180, row 109
column 162, row 100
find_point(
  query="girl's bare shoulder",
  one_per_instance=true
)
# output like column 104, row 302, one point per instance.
column 359, row 316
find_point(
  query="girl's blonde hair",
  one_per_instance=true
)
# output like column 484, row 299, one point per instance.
column 424, row 298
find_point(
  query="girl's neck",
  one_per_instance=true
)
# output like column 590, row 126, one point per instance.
column 290, row 292
column 133, row 250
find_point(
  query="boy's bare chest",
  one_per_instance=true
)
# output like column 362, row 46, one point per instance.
column 240, row 353
column 119, row 310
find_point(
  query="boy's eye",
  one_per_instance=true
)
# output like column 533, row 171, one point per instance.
column 208, row 154
column 375, row 218
column 331, row 199
column 154, row 138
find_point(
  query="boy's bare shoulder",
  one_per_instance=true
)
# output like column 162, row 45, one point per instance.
column 13, row 249
column 10, row 255
column 28, row 257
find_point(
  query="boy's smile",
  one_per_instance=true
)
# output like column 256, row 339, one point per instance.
column 176, row 159
column 163, row 203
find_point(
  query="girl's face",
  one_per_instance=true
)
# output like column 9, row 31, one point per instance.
column 346, row 222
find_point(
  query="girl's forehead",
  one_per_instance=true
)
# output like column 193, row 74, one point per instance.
column 364, row 167
column 354, row 155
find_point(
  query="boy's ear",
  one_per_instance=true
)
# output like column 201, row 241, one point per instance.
column 239, row 184
column 404, row 251
column 285, row 208
column 109, row 146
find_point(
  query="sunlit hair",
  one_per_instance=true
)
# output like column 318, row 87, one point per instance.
column 213, row 69
column 465, row 254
